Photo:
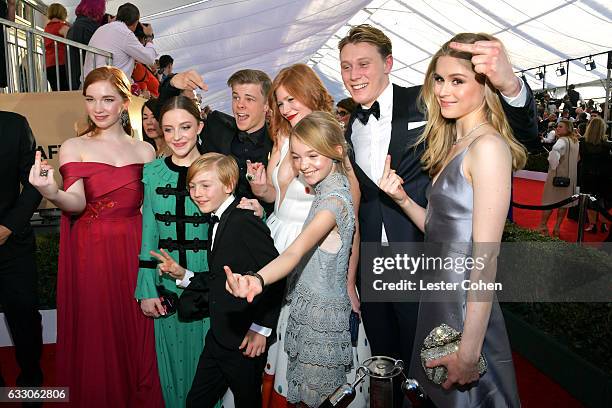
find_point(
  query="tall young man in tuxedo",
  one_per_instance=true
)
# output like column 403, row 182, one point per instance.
column 18, row 280
column 388, row 121
column 244, row 136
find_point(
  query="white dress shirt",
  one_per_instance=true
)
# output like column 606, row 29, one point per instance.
column 371, row 141
column 559, row 149
column 264, row 331
column 118, row 39
column 550, row 137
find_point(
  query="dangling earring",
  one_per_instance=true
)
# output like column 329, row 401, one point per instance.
column 199, row 140
column 125, row 118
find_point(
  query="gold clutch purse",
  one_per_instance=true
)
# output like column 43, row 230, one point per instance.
column 442, row 341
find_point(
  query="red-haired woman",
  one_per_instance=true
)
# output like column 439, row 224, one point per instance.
column 105, row 346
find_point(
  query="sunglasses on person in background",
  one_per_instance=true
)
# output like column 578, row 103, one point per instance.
column 341, row 113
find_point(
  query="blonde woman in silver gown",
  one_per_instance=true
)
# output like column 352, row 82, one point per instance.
column 470, row 156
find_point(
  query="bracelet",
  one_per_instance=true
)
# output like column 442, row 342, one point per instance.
column 258, row 276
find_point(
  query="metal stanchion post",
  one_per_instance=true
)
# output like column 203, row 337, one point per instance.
column 382, row 372
column 582, row 208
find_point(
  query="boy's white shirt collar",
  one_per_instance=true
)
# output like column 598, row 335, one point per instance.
column 219, row 212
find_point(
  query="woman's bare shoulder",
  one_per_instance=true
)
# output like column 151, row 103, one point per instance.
column 489, row 143
column 145, row 149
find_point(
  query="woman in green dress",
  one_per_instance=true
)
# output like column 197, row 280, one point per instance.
column 171, row 221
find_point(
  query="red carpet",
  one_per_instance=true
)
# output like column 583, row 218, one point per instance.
column 530, row 192
column 535, row 389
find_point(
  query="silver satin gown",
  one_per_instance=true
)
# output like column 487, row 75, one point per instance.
column 449, row 221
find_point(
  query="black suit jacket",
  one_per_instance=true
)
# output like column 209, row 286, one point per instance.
column 16, row 206
column 243, row 243
column 219, row 131
column 377, row 207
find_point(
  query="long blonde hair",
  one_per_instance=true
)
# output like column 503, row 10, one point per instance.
column 440, row 132
column 571, row 133
column 321, row 131
column 596, row 131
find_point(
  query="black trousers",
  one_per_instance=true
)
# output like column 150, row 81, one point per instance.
column 60, row 71
column 220, row 368
column 19, row 299
column 390, row 328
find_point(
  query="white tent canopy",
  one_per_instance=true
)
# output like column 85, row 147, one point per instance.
column 218, row 37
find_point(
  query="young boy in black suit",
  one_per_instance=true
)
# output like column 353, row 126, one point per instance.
column 235, row 348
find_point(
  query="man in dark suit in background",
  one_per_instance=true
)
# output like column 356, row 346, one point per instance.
column 18, row 278
column 244, row 136
column 388, row 121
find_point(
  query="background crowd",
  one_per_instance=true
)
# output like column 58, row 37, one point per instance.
column 299, row 184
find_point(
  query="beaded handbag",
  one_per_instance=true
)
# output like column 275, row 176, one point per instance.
column 442, row 341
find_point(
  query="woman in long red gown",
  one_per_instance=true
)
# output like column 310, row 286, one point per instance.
column 105, row 346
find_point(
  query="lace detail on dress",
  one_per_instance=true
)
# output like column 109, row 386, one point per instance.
column 322, row 348
column 301, row 386
column 317, row 339
column 320, row 311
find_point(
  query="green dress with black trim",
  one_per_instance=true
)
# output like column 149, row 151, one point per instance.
column 170, row 220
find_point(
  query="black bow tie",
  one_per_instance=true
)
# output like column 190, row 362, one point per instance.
column 364, row 114
column 213, row 220
column 244, row 136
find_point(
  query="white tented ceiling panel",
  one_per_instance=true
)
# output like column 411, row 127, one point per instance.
column 218, row 37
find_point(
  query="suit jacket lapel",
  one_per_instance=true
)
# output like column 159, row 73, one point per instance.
column 399, row 127
column 405, row 110
column 221, row 227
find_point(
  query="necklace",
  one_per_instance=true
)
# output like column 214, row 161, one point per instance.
column 470, row 132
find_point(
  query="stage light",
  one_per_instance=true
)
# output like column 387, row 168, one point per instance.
column 589, row 65
column 560, row 70
column 539, row 74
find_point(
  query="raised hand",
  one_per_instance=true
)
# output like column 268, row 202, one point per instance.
column 490, row 59
column 168, row 265
column 251, row 204
column 41, row 178
column 391, row 183
column 256, row 176
column 189, row 80
column 242, row 286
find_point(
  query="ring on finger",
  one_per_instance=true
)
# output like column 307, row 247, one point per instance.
column 250, row 177
column 44, row 173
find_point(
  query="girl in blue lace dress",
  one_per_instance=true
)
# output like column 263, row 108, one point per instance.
column 317, row 339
